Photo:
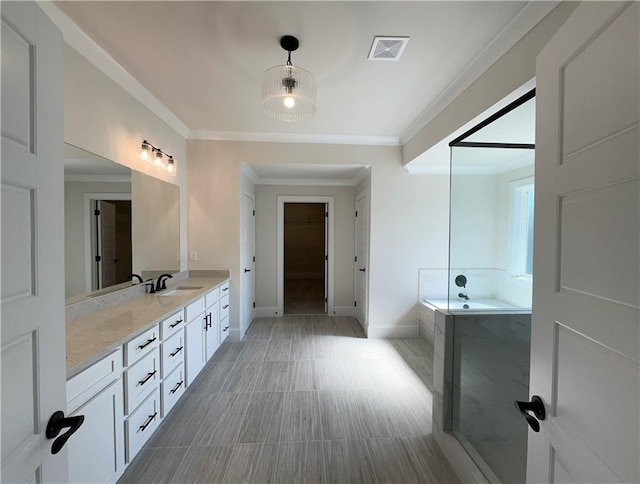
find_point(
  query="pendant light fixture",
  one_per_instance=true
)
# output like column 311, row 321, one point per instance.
column 288, row 91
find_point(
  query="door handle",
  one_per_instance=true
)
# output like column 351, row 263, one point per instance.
column 247, row 270
column 536, row 405
column 362, row 270
column 56, row 423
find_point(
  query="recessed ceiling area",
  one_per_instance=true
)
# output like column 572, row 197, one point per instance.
column 204, row 60
column 305, row 174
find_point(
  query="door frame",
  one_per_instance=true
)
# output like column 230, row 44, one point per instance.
column 359, row 196
column 250, row 194
column 90, row 233
column 329, row 276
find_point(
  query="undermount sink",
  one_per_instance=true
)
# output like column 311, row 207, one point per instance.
column 181, row 290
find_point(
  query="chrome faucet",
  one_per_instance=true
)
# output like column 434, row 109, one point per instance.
column 162, row 282
column 463, row 296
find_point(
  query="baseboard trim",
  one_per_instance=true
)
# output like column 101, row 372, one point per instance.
column 392, row 331
column 344, row 311
column 265, row 312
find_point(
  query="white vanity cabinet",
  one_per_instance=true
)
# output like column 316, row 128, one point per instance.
column 212, row 323
column 194, row 339
column 224, row 311
column 96, row 450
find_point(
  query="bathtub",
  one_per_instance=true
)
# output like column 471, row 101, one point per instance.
column 473, row 305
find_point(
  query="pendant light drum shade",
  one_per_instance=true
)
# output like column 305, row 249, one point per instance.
column 289, row 92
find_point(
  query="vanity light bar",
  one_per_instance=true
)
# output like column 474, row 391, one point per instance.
column 146, row 153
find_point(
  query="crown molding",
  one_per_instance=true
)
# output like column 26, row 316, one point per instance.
column 313, row 182
column 336, row 139
column 528, row 17
column 88, row 48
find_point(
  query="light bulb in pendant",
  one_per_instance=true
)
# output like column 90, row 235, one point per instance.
column 144, row 151
column 289, row 102
column 171, row 168
column 158, row 158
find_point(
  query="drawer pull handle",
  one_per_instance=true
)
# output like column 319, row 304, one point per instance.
column 178, row 350
column 147, row 378
column 225, row 306
column 148, row 421
column 178, row 385
column 149, row 341
column 207, row 321
column 226, row 328
column 175, row 324
column 225, row 288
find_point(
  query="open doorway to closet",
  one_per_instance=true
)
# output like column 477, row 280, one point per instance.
column 305, row 258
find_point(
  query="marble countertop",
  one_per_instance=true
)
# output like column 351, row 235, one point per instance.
column 96, row 335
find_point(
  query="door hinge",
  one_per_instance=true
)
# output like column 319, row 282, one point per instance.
column 254, row 213
column 356, row 213
column 326, row 214
column 96, row 212
column 254, row 258
column 356, row 258
column 355, row 303
column 98, row 258
column 326, row 257
column 325, row 300
column 254, row 304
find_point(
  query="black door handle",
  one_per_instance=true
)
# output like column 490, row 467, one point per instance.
column 536, row 405
column 362, row 270
column 247, row 270
column 56, row 423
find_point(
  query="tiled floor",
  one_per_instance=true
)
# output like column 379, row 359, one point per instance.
column 304, row 296
column 302, row 399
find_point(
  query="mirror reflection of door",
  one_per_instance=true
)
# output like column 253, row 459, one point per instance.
column 111, row 254
column 305, row 250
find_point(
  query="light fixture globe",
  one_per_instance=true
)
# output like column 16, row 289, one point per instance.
column 289, row 92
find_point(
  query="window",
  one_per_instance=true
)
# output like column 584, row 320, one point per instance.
column 522, row 237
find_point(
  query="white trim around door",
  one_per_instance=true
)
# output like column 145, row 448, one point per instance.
column 330, row 202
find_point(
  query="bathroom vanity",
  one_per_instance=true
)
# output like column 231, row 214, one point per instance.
column 128, row 364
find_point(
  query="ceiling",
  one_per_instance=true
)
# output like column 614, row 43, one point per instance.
column 204, row 60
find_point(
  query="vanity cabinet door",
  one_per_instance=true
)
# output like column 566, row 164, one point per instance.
column 96, row 451
column 195, row 348
column 211, row 330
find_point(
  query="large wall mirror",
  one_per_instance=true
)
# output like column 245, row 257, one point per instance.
column 118, row 221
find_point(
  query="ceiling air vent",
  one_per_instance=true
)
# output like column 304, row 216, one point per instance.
column 387, row 48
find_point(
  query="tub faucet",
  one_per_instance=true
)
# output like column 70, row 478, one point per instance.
column 463, row 296
column 162, row 282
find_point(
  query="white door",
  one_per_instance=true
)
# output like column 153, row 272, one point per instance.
column 326, row 258
column 586, row 321
column 362, row 256
column 32, row 199
column 107, row 243
column 248, row 258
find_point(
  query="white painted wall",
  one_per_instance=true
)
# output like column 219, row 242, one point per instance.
column 409, row 222
column 266, row 234
column 507, row 74
column 102, row 118
column 74, row 233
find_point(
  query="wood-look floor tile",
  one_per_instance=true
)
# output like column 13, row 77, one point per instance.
column 301, row 417
column 252, row 463
column 302, row 349
column 228, row 351
column 242, row 377
column 348, row 461
column 432, row 465
column 281, row 330
column 273, row 376
column 301, row 462
column 185, row 420
column 212, row 377
column 411, row 409
column 263, row 418
column 392, row 462
column 222, row 422
column 202, row 465
column 378, row 419
column 253, row 350
column 153, row 465
column 278, row 350
column 340, row 415
column 333, row 375
column 303, row 376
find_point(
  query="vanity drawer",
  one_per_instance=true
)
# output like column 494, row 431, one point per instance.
column 172, row 352
column 224, row 329
column 224, row 307
column 194, row 309
column 141, row 379
column 224, row 288
column 84, row 386
column 141, row 424
column 211, row 297
column 172, row 324
column 172, row 389
column 141, row 345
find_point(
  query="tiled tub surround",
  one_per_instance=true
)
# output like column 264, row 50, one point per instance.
column 95, row 335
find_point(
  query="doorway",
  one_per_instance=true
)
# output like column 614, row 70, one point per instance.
column 304, row 258
column 305, row 254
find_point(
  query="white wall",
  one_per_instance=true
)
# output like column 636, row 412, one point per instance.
column 266, row 238
column 74, row 230
column 102, row 118
column 408, row 218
